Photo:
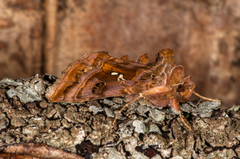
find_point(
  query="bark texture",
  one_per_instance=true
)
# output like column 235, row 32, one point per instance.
column 31, row 126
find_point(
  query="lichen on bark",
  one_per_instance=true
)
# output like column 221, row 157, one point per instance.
column 84, row 129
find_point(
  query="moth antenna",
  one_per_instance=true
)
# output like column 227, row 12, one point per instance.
column 140, row 95
column 180, row 115
column 210, row 99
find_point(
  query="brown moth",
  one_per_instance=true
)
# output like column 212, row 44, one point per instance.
column 98, row 75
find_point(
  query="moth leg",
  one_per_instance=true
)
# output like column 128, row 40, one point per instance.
column 140, row 95
column 177, row 108
column 214, row 100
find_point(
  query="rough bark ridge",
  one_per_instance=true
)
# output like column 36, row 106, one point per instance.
column 31, row 126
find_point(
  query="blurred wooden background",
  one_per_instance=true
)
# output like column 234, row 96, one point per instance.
column 39, row 36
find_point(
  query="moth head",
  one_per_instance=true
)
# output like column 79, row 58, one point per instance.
column 185, row 89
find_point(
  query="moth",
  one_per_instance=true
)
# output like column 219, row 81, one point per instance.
column 99, row 75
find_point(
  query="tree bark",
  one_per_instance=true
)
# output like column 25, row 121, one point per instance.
column 32, row 126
